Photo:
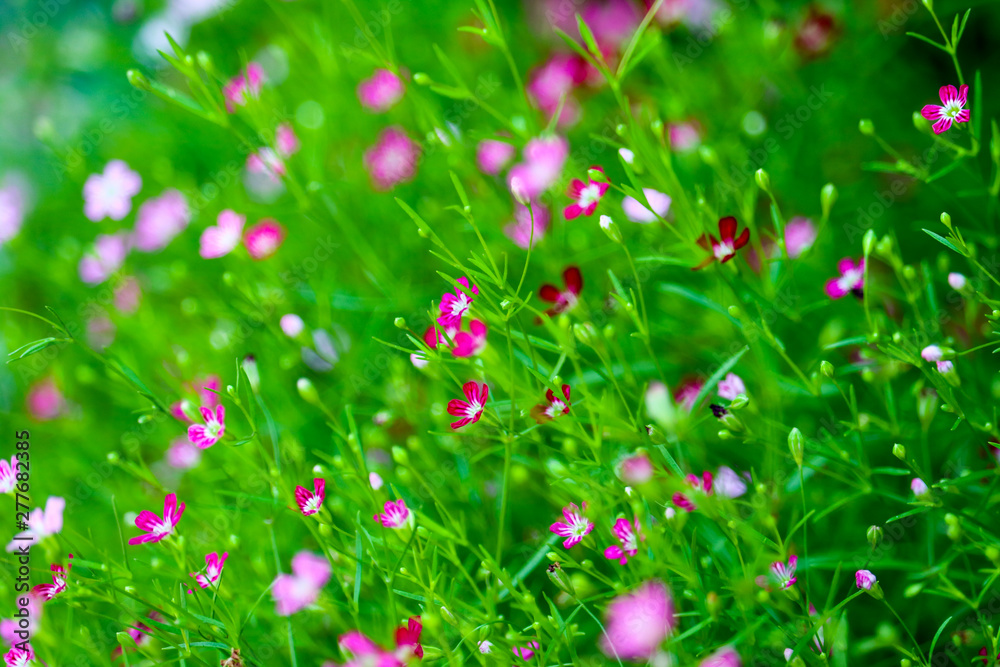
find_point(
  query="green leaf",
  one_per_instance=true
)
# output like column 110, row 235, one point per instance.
column 717, row 376
column 929, row 41
column 588, row 38
column 696, row 297
column 33, row 348
column 945, row 242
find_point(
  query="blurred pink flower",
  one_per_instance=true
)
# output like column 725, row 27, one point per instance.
column 492, row 155
column 687, row 392
column 160, row 220
column 919, row 487
column 9, row 626
column 158, row 528
column 128, row 295
column 637, row 212
column 566, row 299
column 107, row 256
column 220, row 239
column 800, row 232
column 8, row 474
column 555, row 80
column 285, row 140
column 296, row 591
column 684, row 136
column 183, row 454
column 41, row 523
column 575, row 527
column 541, row 166
column 392, row 160
column 268, row 162
column 395, row 514
column 381, row 91
column 815, row 35
column 781, row 574
column 553, row 407
column 263, row 239
column 19, row 657
column 952, row 111
column 851, row 280
column 207, row 434
column 728, row 484
column 471, row 409
column 638, row 622
column 14, row 195
column 44, row 400
column 636, row 469
column 244, row 86
column 213, row 569
column 292, row 325
column 724, row 657
column 310, row 502
column 140, row 633
column 731, row 386
column 110, row 194
column 520, row 231
column 526, row 652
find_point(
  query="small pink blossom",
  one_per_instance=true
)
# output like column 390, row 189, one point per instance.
column 158, row 528
column 11, row 627
column 106, row 258
column 815, row 35
column 724, row 657
column 183, row 454
column 851, row 280
column 520, row 230
column 687, row 393
column 485, row 646
column 213, row 569
column 8, row 474
column 454, row 306
column 221, row 239
column 552, row 85
column 932, row 353
column 381, row 91
column 553, row 407
column 110, row 194
column 541, row 166
column 296, row 591
column 919, row 487
column 44, row 401
column 263, row 239
column 701, row 485
column 952, row 112
column 728, row 484
column 783, row 576
column 470, row 343
column 575, row 527
column 724, row 248
column 267, row 162
column 956, row 281
column 375, row 481
column 628, row 539
column 286, row 141
column 41, row 524
column 638, row 622
column 207, row 434
column 58, row 585
column 471, row 409
column 945, row 367
column 309, row 502
column 395, row 514
column 684, row 136
column 392, row 160
column 19, row 657
column 244, row 87
column 128, row 295
column 637, row 211
column 566, row 299
column 731, row 387
column 636, row 469
column 492, row 155
column 800, row 233
column 408, row 639
column 526, row 652
column 586, row 196
column 207, row 390
column 15, row 193
column 864, row 579
column 160, row 220
column 292, row 325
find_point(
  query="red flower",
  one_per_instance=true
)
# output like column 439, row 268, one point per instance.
column 724, row 248
column 471, row 409
column 409, row 636
column 553, row 407
column 565, row 299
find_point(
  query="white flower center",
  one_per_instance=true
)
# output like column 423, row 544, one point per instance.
column 589, row 195
column 723, row 250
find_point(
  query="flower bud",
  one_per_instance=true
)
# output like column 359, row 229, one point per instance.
column 874, row 535
column 627, row 156
column 307, row 391
column 740, row 402
column 796, row 445
column 708, row 155
column 946, row 220
column 899, row 451
column 597, row 176
column 517, row 189
column 190, row 411
column 827, row 198
column 826, row 368
column 252, row 373
column 400, row 323
column 422, row 79
column 866, row 127
column 558, row 577
column 138, row 80
column 868, row 241
column 611, row 229
column 763, row 181
column 867, row 581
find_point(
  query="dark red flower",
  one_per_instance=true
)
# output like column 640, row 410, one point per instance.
column 553, row 407
column 564, row 299
column 410, row 636
column 724, row 248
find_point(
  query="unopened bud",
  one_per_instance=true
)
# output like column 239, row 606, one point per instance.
column 796, row 445
column 826, row 368
column 827, row 198
column 422, row 79
column 627, row 156
column 868, row 241
column 899, row 451
column 597, row 175
column 517, row 189
column 763, row 180
column 138, row 80
column 558, row 577
column 946, row 220
column 866, row 127
column 874, row 535
column 611, row 229
column 307, row 391
column 400, row 323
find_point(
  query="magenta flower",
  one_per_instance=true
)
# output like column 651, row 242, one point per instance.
column 19, row 657
column 454, row 306
column 782, row 575
column 685, row 136
column 44, row 401
column 10, row 628
column 565, row 299
column 543, row 160
column 182, row 454
column 586, row 196
column 296, row 591
column 207, row 434
column 492, row 155
column 702, row 485
column 800, row 233
column 268, row 162
column 687, row 393
column 636, row 469
column 552, row 85
column 952, row 111
column 380, row 91
column 553, row 406
column 526, row 652
column 14, row 203
column 519, row 231
column 864, row 579
column 309, row 502
column 392, row 160
column 851, row 280
column 286, row 141
column 724, row 248
column 213, row 569
column 576, row 526
column 158, row 528
column 638, row 622
column 110, row 194
column 728, row 484
column 244, row 87
column 472, row 342
column 41, row 524
column 408, row 639
column 919, row 487
column 637, row 211
column 394, row 514
column 471, row 409
column 8, row 474
column 221, row 239
column 263, row 239
column 731, row 387
column 724, row 657
column 628, row 538
column 105, row 259
column 58, row 585
column 932, row 353
column 160, row 220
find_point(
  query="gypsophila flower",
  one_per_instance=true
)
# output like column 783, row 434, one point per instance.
column 109, row 195
column 395, row 514
column 918, row 487
column 864, row 579
column 636, row 211
column 932, row 353
column 781, row 574
column 952, row 112
column 213, row 569
column 628, row 539
column 183, row 454
column 309, row 502
column 485, row 646
column 565, row 299
column 472, row 342
column 221, row 239
column 19, row 657
column 264, row 238
column 553, row 407
column 381, row 91
column 724, row 248
column 492, row 155
column 207, row 434
column 41, row 524
column 526, row 652
column 636, row 469
column 244, row 87
column 724, row 657
column 731, row 386
column 296, row 591
column 158, row 528
column 636, row 623
column 851, row 280
column 8, row 474
column 58, row 585
column 454, row 306
column 586, row 196
column 471, row 409
column 956, row 281
column 575, row 527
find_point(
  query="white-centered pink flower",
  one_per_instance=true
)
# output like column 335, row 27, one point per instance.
column 395, row 514
column 158, row 528
column 554, row 406
column 575, row 525
column 310, row 502
column 851, row 280
column 731, row 386
column 244, row 87
column 109, row 194
column 8, row 474
column 724, row 657
column 636, row 623
column 296, row 591
column 520, row 231
column 381, row 91
column 454, row 305
column 59, row 574
column 864, row 579
column 638, row 212
column 41, row 524
column 105, row 259
column 470, row 410
column 585, row 196
column 781, row 575
column 17, row 657
column 263, row 239
column 628, row 538
column 493, row 155
column 220, row 239
column 392, row 160
column 470, row 343
column 207, row 434
column 160, row 220
column 213, row 569
column 952, row 112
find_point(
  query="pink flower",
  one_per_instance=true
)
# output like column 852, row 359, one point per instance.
column 380, row 91
column 684, row 136
column 702, row 485
column 11, row 627
column 128, row 295
column 8, row 474
column 14, row 195
column 308, row 501
column 408, row 639
column 576, row 526
column 851, row 280
column 687, row 393
column 296, row 591
column 454, row 306
column 636, row 469
column 612, row 22
column 140, row 633
column 58, row 585
column 945, row 366
column 41, row 524
column 375, row 480
column 110, row 194
column 864, row 579
column 586, row 195
column 932, row 353
column 724, row 657
column 292, row 325
column 520, row 231
column 731, row 387
column 19, row 658
column 266, row 161
column 286, row 141
column 782, row 575
column 526, row 652
column 392, row 160
column 244, row 87
column 213, row 569
column 394, row 514
column 471, row 409
column 472, row 342
column 728, row 484
column 816, row 33
column 565, row 299
column 800, row 233
column 637, row 211
column 629, row 541
column 485, row 646
column 918, row 487
column 724, row 248
column 554, row 82
column 44, row 401
column 206, row 388
column 952, row 111
column 263, row 239
column 220, row 240
column 542, row 164
column 207, row 434
column 183, row 454
column 160, row 220
column 553, row 406
column 158, row 528
column 638, row 622
column 107, row 257
column 956, row 281
column 492, row 155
